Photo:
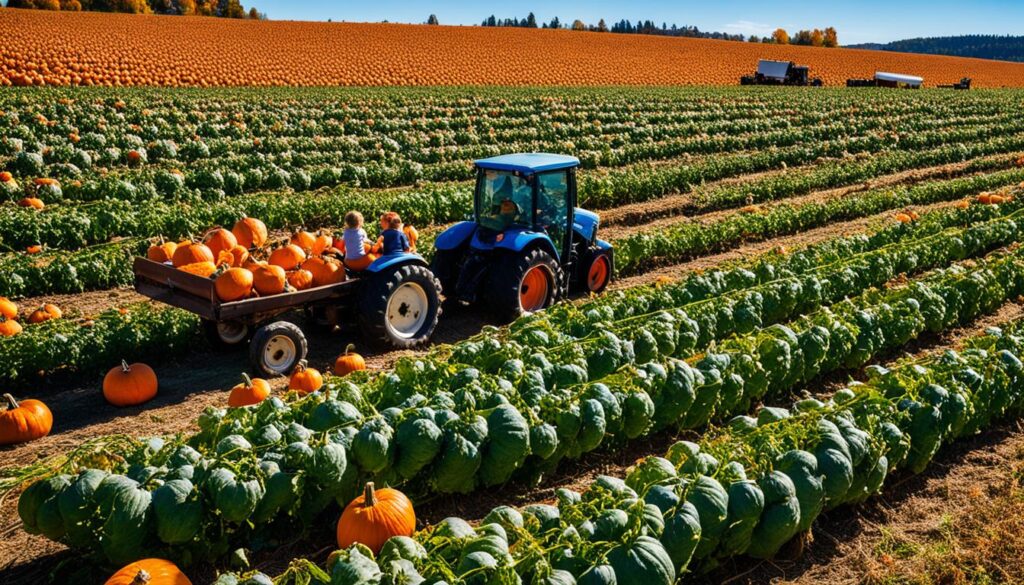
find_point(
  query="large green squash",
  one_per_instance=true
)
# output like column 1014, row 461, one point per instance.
column 507, row 445
column 712, row 504
column 642, row 562
column 77, row 506
column 178, row 511
column 126, row 506
column 418, row 442
column 235, row 499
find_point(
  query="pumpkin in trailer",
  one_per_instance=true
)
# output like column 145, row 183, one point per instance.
column 304, row 240
column 129, row 385
column 300, row 279
column 268, row 279
column 305, row 379
column 191, row 253
column 161, row 252
column 412, row 235
column 233, row 284
column 25, row 421
column 239, row 256
column 149, row 572
column 8, row 309
column 9, row 327
column 288, row 257
column 204, row 269
column 250, row 232
column 219, row 240
column 322, row 243
column 250, row 391
column 374, row 517
column 349, row 362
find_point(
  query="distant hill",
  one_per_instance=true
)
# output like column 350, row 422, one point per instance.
column 1004, row 48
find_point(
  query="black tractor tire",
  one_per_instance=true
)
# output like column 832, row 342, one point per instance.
column 277, row 348
column 226, row 337
column 413, row 316
column 505, row 282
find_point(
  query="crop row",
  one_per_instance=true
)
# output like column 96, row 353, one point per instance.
column 251, row 471
column 108, row 265
column 33, row 351
column 745, row 489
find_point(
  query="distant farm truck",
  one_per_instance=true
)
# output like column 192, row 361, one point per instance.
column 963, row 84
column 885, row 79
column 780, row 73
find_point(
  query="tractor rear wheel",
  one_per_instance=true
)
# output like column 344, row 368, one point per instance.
column 523, row 283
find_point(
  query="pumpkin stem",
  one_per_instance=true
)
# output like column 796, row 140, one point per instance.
column 124, row 367
column 350, row 348
column 141, row 578
column 12, row 404
column 248, row 380
column 369, row 497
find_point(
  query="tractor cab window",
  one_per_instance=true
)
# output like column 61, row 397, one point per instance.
column 505, row 199
column 553, row 205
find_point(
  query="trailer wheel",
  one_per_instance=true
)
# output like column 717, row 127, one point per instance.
column 277, row 348
column 226, row 335
column 400, row 307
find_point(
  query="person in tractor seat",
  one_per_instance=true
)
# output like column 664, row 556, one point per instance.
column 508, row 213
column 356, row 244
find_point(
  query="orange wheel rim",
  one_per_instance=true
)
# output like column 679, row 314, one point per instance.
column 597, row 277
column 533, row 291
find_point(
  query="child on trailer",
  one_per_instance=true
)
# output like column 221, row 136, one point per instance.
column 391, row 222
column 356, row 245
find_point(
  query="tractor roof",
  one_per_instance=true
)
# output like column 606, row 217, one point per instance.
column 528, row 163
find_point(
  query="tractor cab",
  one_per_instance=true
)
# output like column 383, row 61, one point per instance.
column 528, row 243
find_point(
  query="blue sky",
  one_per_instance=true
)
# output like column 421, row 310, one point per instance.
column 857, row 21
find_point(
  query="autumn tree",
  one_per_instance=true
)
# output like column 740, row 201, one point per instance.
column 601, row 26
column 780, row 36
column 831, row 38
column 817, row 38
column 578, row 25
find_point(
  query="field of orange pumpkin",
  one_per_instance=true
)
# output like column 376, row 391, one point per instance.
column 126, row 50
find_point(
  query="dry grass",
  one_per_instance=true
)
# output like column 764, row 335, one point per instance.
column 92, row 48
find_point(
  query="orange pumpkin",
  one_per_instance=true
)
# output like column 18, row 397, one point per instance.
column 34, row 249
column 305, row 379
column 233, row 284
column 239, row 256
column 149, row 572
column 161, row 252
column 250, row 391
column 268, row 279
column 303, row 239
column 349, row 362
column 374, row 517
column 33, row 202
column 27, row 421
column 9, row 327
column 8, row 309
column 904, row 218
column 322, row 243
column 250, row 232
column 288, row 257
column 204, row 269
column 6, row 177
column 219, row 240
column 190, row 253
column 45, row 313
column 324, row 270
column 128, row 385
column 300, row 279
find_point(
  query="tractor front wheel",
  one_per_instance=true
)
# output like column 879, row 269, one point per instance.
column 523, row 284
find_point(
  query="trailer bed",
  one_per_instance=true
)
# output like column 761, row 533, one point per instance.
column 196, row 294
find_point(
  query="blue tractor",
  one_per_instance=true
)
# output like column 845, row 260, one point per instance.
column 528, row 245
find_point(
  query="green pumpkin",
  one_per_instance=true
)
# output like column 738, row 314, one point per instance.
column 455, row 469
column 77, row 505
column 281, row 490
column 507, row 445
column 746, row 502
column 235, row 499
column 333, row 413
column 780, row 519
column 178, row 511
column 545, row 516
column 39, row 506
column 402, row 548
column 417, row 441
column 649, row 472
column 802, row 469
column 508, row 518
column 125, row 506
column 712, row 503
column 355, row 566
column 592, row 427
column 598, row 575
column 637, row 414
column 642, row 562
column 233, row 447
column 543, row 440
column 682, row 534
column 328, row 466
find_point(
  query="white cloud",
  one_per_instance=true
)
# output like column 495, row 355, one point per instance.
column 748, row 27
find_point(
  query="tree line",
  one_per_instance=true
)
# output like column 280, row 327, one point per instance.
column 814, row 37
column 1002, row 47
column 220, row 8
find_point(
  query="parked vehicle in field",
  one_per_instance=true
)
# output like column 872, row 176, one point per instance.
column 885, row 79
column 780, row 73
column 964, row 84
column 528, row 244
column 395, row 302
